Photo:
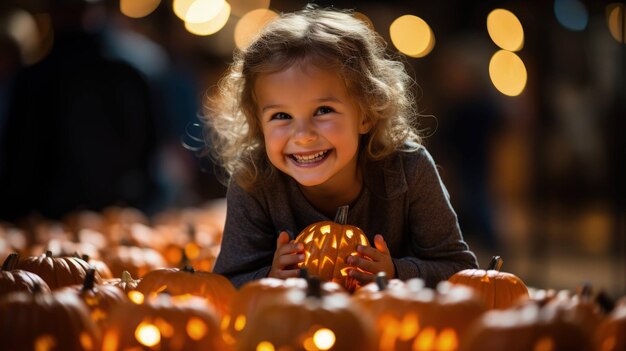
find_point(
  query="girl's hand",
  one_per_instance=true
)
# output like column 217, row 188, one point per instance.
column 378, row 260
column 286, row 258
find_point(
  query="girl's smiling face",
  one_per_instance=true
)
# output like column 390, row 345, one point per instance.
column 311, row 126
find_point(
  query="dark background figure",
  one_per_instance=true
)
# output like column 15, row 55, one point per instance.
column 80, row 129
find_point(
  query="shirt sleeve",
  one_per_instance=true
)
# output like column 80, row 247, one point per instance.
column 437, row 245
column 249, row 239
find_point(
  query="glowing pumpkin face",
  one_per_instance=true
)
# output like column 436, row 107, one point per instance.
column 327, row 245
column 164, row 323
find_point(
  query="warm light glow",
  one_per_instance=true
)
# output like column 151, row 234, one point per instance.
column 138, row 8
column 327, row 261
column 571, row 14
column 349, row 233
column 225, row 322
column 98, row 314
column 201, row 11
column 412, row 36
column 110, row 341
column 363, row 17
column 608, row 344
column 136, row 297
column 147, row 334
column 508, row 73
column 363, row 240
column 309, row 238
column 425, row 341
column 196, row 328
column 324, row 339
column 505, row 29
column 265, row 346
column 447, row 340
column 192, row 250
column 409, row 327
column 207, row 28
column 181, row 7
column 44, row 343
column 325, row 229
column 240, row 322
column 22, row 27
column 86, row 341
column 165, row 328
column 389, row 335
column 241, row 7
column 616, row 22
column 544, row 344
column 250, row 24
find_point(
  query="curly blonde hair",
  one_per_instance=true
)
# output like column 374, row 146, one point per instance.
column 331, row 39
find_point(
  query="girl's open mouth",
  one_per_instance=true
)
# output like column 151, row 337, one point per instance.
column 312, row 158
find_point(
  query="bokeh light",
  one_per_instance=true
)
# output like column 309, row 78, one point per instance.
column 412, row 36
column 138, row 8
column 241, row 7
column 22, row 27
column 571, row 14
column 363, row 17
column 201, row 11
column 324, row 339
column 505, row 29
column 507, row 73
column 212, row 26
column 615, row 21
column 250, row 24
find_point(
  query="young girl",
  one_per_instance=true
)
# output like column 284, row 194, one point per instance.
column 313, row 115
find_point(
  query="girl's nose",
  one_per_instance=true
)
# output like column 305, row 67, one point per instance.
column 304, row 132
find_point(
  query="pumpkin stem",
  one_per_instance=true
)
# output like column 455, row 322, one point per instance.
column 304, row 273
column 342, row 214
column 605, row 302
column 85, row 258
column 188, row 268
column 126, row 277
column 314, row 287
column 10, row 261
column 90, row 280
column 184, row 260
column 191, row 232
column 586, row 290
column 48, row 253
column 381, row 281
column 495, row 264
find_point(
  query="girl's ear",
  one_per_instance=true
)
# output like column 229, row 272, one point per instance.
column 365, row 125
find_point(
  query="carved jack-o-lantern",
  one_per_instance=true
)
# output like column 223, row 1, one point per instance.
column 308, row 320
column 38, row 320
column 409, row 316
column 499, row 290
column 164, row 322
column 216, row 289
column 328, row 244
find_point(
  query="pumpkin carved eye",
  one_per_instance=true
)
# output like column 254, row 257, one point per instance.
column 328, row 244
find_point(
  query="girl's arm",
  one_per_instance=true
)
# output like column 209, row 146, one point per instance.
column 436, row 243
column 249, row 239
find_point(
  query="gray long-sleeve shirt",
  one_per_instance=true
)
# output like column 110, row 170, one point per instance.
column 403, row 199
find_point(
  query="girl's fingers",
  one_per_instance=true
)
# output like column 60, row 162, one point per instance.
column 289, row 273
column 364, row 264
column 362, row 277
column 380, row 244
column 283, row 238
column 288, row 260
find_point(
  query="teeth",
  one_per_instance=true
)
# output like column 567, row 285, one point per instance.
column 310, row 158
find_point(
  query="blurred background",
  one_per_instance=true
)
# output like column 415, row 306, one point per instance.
column 523, row 105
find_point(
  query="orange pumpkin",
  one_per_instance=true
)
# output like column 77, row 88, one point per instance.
column 327, row 245
column 17, row 279
column 255, row 293
column 216, row 289
column 308, row 320
column 136, row 260
column 611, row 333
column 498, row 290
column 46, row 321
column 100, row 299
column 126, row 283
column 409, row 316
column 57, row 272
column 163, row 322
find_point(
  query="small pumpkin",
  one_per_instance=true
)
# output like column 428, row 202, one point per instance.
column 100, row 299
column 308, row 320
column 611, row 333
column 164, row 322
column 46, row 321
column 136, row 260
column 19, row 280
column 100, row 267
column 498, row 290
column 57, row 272
column 216, row 289
column 327, row 245
column 255, row 293
column 528, row 326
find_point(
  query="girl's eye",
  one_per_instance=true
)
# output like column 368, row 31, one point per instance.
column 324, row 110
column 280, row 115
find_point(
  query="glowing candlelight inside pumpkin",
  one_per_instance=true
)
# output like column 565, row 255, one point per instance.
column 324, row 339
column 240, row 322
column 196, row 328
column 136, row 297
column 447, row 340
column 265, row 346
column 148, row 334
